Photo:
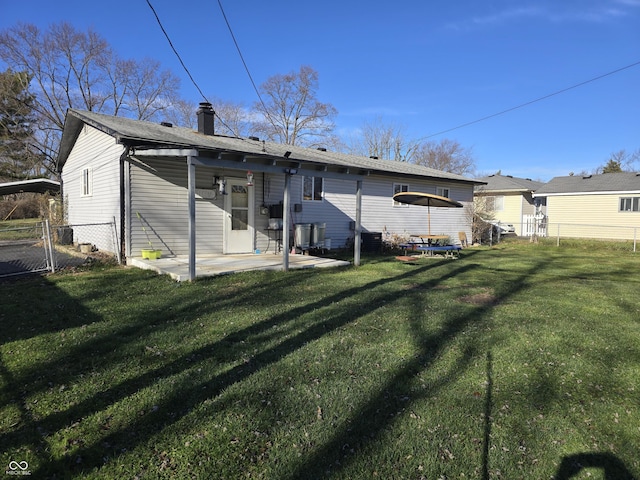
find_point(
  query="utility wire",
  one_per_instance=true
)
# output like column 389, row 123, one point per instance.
column 183, row 65
column 532, row 101
column 233, row 37
column 175, row 51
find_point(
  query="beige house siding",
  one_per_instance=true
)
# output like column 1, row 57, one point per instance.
column 515, row 205
column 512, row 211
column 591, row 216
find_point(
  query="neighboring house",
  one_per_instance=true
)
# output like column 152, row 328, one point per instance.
column 603, row 206
column 510, row 199
column 169, row 180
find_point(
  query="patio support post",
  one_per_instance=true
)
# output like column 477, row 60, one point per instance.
column 358, row 228
column 191, row 185
column 285, row 222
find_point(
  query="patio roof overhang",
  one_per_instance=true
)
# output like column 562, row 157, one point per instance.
column 257, row 163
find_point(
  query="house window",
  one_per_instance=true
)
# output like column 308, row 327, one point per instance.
column 312, row 188
column 495, row 204
column 442, row 191
column 87, row 187
column 630, row 204
column 398, row 188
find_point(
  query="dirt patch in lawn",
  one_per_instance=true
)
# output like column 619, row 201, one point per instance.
column 482, row 298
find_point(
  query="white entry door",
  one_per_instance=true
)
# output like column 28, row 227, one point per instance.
column 239, row 213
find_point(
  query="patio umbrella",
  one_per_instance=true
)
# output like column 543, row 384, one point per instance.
column 426, row 199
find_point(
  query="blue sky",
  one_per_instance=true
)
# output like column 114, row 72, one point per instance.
column 425, row 65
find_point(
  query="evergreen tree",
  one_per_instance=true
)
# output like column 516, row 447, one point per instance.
column 17, row 157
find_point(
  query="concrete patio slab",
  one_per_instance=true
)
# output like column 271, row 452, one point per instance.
column 210, row 265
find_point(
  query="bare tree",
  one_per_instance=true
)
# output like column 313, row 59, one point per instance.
column 73, row 69
column 290, row 111
column 446, row 155
column 232, row 118
column 622, row 161
column 385, row 141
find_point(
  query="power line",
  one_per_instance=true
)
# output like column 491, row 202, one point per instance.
column 175, row 51
column 233, row 37
column 532, row 101
column 183, row 64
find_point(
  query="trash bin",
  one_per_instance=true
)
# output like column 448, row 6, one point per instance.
column 303, row 236
column 65, row 235
column 317, row 235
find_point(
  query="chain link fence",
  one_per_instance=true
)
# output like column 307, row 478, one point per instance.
column 36, row 246
column 623, row 237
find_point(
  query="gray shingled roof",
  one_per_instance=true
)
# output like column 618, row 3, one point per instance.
column 507, row 183
column 607, row 182
column 138, row 133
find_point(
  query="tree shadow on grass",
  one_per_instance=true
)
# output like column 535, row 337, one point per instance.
column 379, row 412
column 612, row 467
column 368, row 423
column 30, row 431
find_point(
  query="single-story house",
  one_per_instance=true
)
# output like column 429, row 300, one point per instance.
column 510, row 199
column 605, row 206
column 189, row 191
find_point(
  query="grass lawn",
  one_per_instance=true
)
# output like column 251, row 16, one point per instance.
column 20, row 229
column 520, row 361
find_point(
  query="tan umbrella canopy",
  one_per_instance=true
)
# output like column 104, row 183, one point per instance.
column 427, row 200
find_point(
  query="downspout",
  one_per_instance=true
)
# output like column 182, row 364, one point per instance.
column 123, row 210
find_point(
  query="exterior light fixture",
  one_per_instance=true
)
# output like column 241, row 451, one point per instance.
column 219, row 186
column 249, row 178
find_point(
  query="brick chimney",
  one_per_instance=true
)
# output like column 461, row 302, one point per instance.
column 205, row 118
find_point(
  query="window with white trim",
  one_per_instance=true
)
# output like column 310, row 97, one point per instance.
column 495, row 204
column 313, row 188
column 630, row 204
column 398, row 188
column 87, row 181
column 442, row 191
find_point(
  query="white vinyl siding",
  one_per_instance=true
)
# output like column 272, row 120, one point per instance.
column 94, row 158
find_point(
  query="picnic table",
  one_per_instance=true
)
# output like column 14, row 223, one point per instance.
column 431, row 244
column 428, row 238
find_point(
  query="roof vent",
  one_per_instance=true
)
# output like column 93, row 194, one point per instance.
column 509, row 176
column 322, row 149
column 586, row 176
column 166, row 124
column 375, row 157
column 255, row 139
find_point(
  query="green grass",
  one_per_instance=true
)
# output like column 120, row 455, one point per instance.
column 20, row 229
column 516, row 362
